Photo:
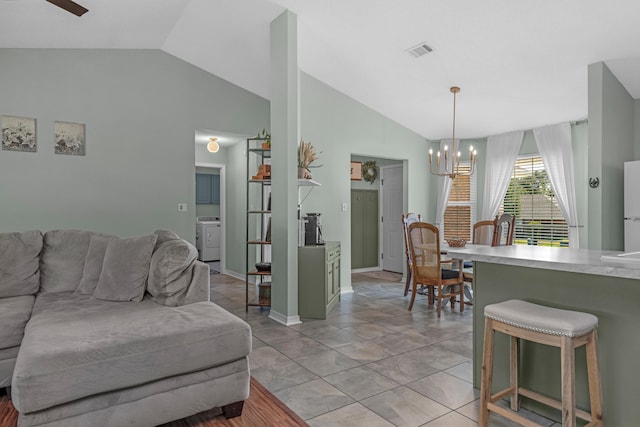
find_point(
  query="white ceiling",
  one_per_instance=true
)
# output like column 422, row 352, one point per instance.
column 520, row 64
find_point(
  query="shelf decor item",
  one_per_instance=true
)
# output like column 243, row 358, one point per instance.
column 266, row 145
column 306, row 156
column 264, row 172
column 263, row 266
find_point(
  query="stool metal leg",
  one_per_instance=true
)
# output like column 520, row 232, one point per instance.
column 567, row 356
column 593, row 373
column 513, row 374
column 487, row 372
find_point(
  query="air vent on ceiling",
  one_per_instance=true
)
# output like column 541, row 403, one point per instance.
column 419, row 50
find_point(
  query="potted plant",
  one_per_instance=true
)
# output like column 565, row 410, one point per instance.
column 306, row 156
column 266, row 145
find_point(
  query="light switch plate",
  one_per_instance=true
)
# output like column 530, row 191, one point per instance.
column 182, row 207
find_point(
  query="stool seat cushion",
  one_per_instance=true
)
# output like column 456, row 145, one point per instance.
column 539, row 318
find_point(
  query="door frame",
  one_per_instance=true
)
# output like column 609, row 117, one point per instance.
column 223, row 216
column 381, row 210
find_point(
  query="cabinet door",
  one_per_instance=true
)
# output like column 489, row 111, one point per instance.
column 335, row 283
column 203, row 189
column 215, row 189
column 329, row 283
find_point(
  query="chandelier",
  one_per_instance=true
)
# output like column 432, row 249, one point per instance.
column 451, row 165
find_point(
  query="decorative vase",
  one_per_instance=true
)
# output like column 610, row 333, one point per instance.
column 301, row 173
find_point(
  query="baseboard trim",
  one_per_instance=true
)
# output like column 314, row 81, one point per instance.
column 284, row 320
column 366, row 270
column 346, row 290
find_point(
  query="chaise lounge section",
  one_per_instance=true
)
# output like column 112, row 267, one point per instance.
column 107, row 353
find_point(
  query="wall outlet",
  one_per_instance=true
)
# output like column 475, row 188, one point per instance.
column 182, row 207
column 344, row 206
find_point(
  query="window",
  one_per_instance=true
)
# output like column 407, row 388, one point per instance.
column 461, row 206
column 531, row 200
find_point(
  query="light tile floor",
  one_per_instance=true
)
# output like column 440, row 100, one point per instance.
column 370, row 363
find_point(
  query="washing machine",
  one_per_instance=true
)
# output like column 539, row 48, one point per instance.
column 208, row 238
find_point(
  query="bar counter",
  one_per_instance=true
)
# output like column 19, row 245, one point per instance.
column 573, row 279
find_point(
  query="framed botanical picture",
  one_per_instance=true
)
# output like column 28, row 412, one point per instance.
column 18, row 134
column 356, row 171
column 69, row 138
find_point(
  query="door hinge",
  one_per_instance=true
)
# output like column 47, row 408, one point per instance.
column 381, row 219
column 382, row 182
column 381, row 256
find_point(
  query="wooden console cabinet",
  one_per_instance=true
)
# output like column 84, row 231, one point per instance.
column 318, row 279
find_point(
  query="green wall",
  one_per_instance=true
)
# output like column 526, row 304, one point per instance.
column 338, row 127
column 611, row 143
column 141, row 108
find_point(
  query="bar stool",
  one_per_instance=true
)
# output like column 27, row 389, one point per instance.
column 551, row 326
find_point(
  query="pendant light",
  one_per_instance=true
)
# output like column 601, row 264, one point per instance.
column 452, row 170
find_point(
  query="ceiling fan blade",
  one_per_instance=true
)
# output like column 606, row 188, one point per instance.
column 70, row 6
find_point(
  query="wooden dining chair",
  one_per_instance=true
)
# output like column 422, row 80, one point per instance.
column 424, row 241
column 483, row 234
column 503, row 230
column 407, row 220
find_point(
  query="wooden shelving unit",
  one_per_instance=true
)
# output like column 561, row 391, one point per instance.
column 256, row 152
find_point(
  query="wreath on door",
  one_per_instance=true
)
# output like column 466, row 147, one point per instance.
column 370, row 171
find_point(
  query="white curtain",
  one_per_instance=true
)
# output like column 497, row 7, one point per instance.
column 502, row 152
column 444, row 186
column 554, row 145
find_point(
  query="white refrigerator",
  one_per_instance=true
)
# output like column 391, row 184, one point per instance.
column 632, row 206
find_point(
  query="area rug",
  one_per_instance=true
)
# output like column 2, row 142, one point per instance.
column 262, row 409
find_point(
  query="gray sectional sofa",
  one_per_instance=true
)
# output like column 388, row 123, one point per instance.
column 101, row 331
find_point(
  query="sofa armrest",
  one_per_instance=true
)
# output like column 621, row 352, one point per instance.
column 199, row 286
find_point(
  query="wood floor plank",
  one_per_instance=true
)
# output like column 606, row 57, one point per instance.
column 260, row 410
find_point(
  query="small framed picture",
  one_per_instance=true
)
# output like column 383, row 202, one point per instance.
column 356, row 171
column 69, row 138
column 19, row 134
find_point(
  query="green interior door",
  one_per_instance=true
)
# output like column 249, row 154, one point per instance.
column 364, row 228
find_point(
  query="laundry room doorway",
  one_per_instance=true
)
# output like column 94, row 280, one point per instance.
column 210, row 218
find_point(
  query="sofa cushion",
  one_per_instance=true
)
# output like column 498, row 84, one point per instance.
column 19, row 263
column 125, row 269
column 76, row 346
column 171, row 271
column 14, row 314
column 93, row 264
column 164, row 236
column 62, row 259
column 7, row 363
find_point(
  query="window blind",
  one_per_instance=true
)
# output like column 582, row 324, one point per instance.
column 460, row 214
column 531, row 200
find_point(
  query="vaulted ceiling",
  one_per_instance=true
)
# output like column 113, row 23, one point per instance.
column 520, row 64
